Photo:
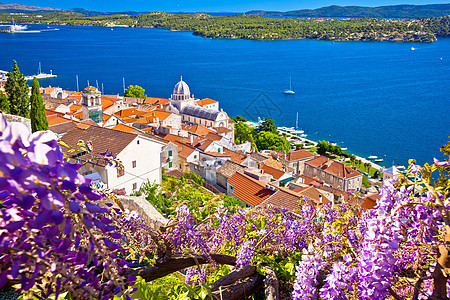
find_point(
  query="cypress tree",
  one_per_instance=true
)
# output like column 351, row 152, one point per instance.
column 17, row 90
column 37, row 114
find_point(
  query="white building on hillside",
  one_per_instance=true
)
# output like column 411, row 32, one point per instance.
column 139, row 155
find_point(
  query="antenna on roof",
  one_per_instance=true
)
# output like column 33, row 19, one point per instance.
column 123, row 84
column 78, row 89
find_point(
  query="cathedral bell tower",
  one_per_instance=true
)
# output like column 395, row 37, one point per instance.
column 91, row 103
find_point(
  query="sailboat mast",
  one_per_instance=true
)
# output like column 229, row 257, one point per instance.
column 296, row 122
column 123, row 85
column 290, row 83
column 78, row 89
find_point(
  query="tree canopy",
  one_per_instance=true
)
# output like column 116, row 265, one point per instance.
column 135, row 91
column 268, row 125
column 266, row 140
column 38, row 117
column 17, row 90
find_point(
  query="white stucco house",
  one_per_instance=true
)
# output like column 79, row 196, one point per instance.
column 139, row 155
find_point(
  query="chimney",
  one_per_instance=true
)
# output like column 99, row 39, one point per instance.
column 320, row 199
column 192, row 139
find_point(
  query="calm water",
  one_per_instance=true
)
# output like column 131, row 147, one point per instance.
column 374, row 98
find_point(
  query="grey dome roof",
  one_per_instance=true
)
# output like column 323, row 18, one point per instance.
column 181, row 88
column 200, row 112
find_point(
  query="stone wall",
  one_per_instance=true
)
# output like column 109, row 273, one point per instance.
column 14, row 118
column 140, row 205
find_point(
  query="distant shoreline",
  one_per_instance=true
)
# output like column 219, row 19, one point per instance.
column 251, row 27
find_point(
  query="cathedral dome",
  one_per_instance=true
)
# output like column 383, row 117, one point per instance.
column 181, row 88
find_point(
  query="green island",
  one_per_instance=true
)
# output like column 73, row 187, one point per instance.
column 253, row 27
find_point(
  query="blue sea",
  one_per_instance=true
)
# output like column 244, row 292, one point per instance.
column 375, row 98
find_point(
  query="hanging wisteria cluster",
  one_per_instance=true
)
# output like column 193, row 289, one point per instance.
column 53, row 234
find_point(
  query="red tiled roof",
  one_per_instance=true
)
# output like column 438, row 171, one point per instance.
column 206, row 101
column 202, row 145
column 333, row 167
column 298, row 155
column 124, row 128
column 213, row 136
column 184, row 150
column 197, row 129
column 276, row 173
column 370, row 201
column 102, row 139
column 222, row 129
column 272, row 163
column 249, row 190
column 286, row 199
column 235, row 156
column 153, row 101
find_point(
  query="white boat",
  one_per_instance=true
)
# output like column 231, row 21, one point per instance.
column 16, row 27
column 373, row 157
column 41, row 75
column 289, row 91
column 379, row 160
column 400, row 167
column 344, row 149
column 303, row 135
column 298, row 131
column 412, row 48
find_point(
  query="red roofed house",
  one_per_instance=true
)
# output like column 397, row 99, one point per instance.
column 140, row 156
column 294, row 160
column 249, row 190
column 334, row 173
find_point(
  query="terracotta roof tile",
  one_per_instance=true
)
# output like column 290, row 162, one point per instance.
column 333, row 167
column 129, row 112
column 249, row 190
column 124, row 128
column 184, row 150
column 370, row 201
column 214, row 137
column 235, row 156
column 229, row 168
column 197, row 129
column 298, row 155
column 102, row 139
column 57, row 119
column 202, row 145
column 153, row 101
column 272, row 163
column 285, row 199
column 206, row 101
column 161, row 115
column 276, row 173
column 222, row 129
column 63, row 127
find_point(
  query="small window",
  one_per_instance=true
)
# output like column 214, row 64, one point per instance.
column 138, row 142
column 218, row 150
column 170, row 152
column 135, row 186
column 120, row 172
column 134, row 164
column 195, row 156
column 170, row 164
